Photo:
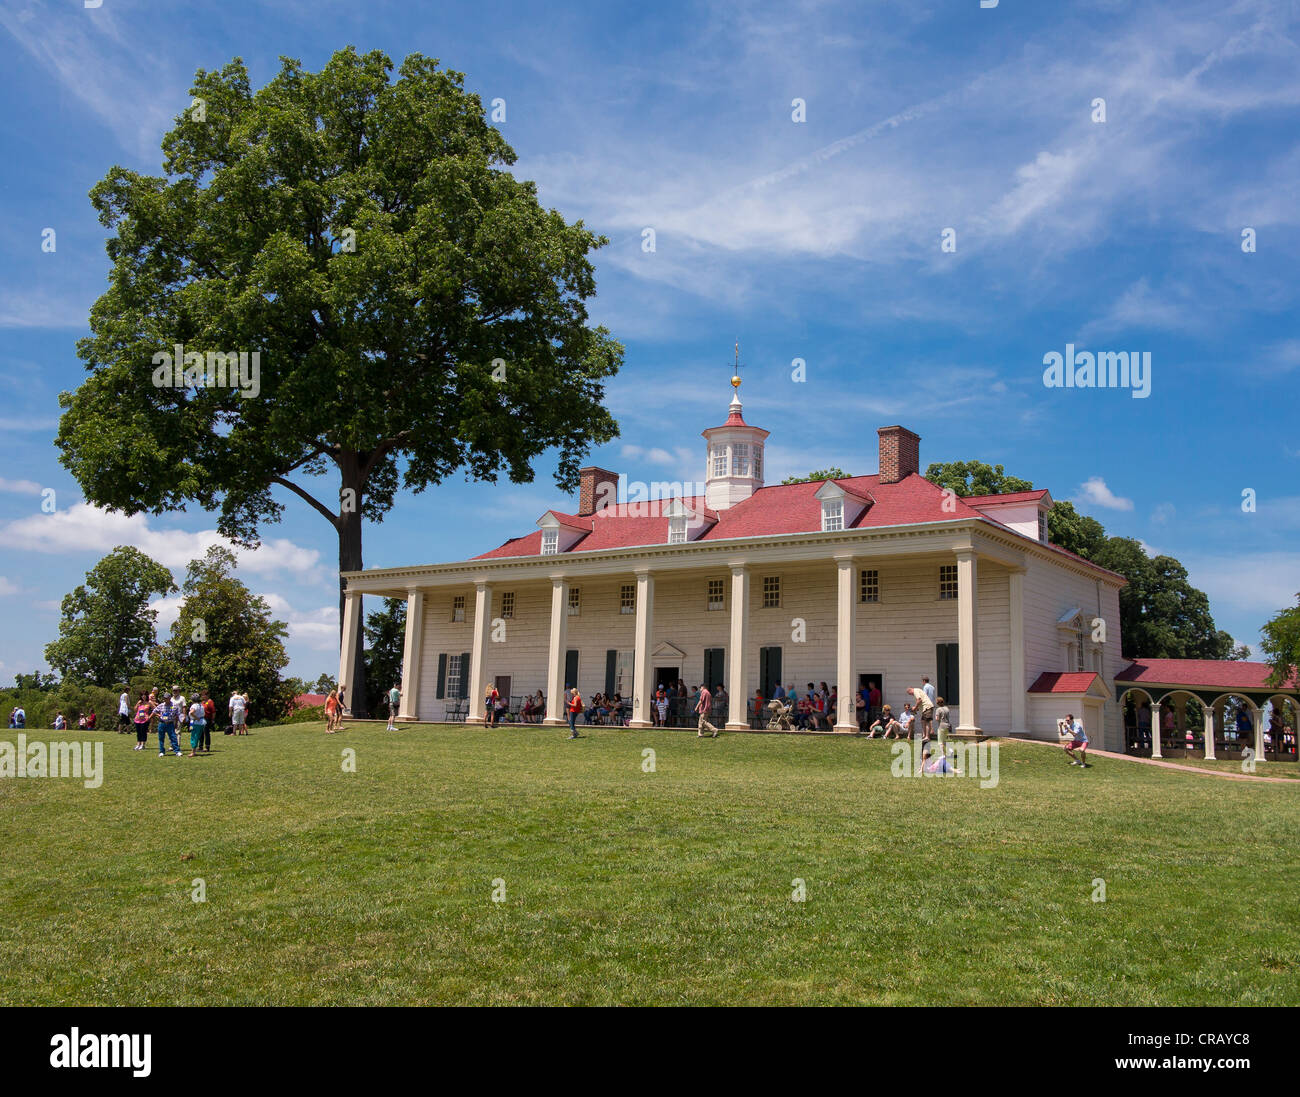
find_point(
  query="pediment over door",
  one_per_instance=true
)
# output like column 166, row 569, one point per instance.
column 668, row 651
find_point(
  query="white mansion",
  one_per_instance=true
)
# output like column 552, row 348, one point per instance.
column 879, row 578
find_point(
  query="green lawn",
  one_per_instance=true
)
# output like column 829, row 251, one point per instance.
column 623, row 886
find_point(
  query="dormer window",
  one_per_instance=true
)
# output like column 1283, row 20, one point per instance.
column 677, row 530
column 550, row 542
column 832, row 515
column 719, row 454
column 1042, row 526
column 740, row 459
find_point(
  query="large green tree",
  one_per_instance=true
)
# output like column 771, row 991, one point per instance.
column 1280, row 640
column 1162, row 616
column 224, row 640
column 835, row 473
column 385, row 641
column 107, row 627
column 415, row 309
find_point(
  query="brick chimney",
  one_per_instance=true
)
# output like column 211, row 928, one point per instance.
column 900, row 453
column 597, row 489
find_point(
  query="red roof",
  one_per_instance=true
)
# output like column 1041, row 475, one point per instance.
column 771, row 511
column 1056, row 682
column 1202, row 673
column 309, row 700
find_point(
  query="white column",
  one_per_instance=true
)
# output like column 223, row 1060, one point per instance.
column 1019, row 721
column 846, row 649
column 737, row 655
column 1209, row 730
column 1259, row 732
column 555, row 655
column 1155, row 731
column 478, row 657
column 967, row 655
column 348, row 649
column 412, row 655
column 641, row 666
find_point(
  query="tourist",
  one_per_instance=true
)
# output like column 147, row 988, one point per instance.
column 60, row 724
column 394, row 698
column 929, row 689
column 197, row 725
column 490, row 699
column 936, row 767
column 1078, row 741
column 526, row 710
column 758, row 703
column 539, row 708
column 92, row 721
column 721, row 701
column 924, row 709
column 661, row 707
column 804, row 714
column 181, row 707
column 1144, row 726
column 873, row 700
column 209, row 718
column 618, row 710
column 166, row 714
column 331, row 711
column 81, row 722
column 905, row 719
column 942, row 723
column 574, row 707
column 1244, row 724
column 123, row 713
column 238, row 706
column 143, row 711
column 885, row 723
column 861, row 708
column 778, row 692
column 1167, row 725
column 703, row 707
column 593, row 711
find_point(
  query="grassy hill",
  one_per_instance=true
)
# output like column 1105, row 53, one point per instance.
column 626, row 886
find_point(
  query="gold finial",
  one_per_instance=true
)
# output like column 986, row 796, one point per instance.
column 735, row 377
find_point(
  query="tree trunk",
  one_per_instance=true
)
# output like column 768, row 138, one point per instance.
column 350, row 560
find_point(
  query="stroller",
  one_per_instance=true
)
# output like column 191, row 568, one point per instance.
column 780, row 718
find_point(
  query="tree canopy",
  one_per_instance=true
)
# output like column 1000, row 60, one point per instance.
column 385, row 641
column 107, row 627
column 414, row 310
column 821, row 474
column 224, row 640
column 1281, row 643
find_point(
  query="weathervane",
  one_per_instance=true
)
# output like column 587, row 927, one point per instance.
column 735, row 377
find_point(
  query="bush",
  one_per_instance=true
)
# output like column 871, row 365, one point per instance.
column 69, row 698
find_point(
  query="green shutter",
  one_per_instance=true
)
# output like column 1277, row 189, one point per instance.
column 611, row 668
column 464, row 674
column 947, row 674
column 571, row 667
column 714, row 666
column 442, row 676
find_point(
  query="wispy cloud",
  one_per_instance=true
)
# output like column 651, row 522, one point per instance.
column 1094, row 491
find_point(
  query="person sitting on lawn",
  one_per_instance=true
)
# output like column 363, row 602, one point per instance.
column 906, row 719
column 885, row 723
column 937, row 767
column 1078, row 740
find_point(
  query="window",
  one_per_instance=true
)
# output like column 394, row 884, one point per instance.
column 758, row 462
column 740, row 459
column 627, row 598
column 1042, row 526
column 717, row 594
column 719, row 460
column 624, row 663
column 575, row 601
column 550, row 542
column 677, row 530
column 453, row 676
column 948, row 581
column 1078, row 644
column 832, row 515
column 507, row 603
column 771, row 592
column 458, row 608
column 869, row 586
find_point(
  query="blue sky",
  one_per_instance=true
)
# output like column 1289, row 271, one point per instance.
column 818, row 240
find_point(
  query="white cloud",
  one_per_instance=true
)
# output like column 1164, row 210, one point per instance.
column 7, row 586
column 1139, row 308
column 40, row 310
column 1094, row 491
column 317, row 629
column 20, row 487
column 1163, row 513
column 83, row 527
column 1258, row 584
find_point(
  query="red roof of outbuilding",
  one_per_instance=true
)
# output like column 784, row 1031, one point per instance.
column 1056, row 682
column 1009, row 497
column 1202, row 673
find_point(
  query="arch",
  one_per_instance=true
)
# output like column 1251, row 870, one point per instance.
column 1139, row 736
column 1230, row 742
column 1280, row 744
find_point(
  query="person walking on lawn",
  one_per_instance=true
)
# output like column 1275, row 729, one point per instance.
column 703, row 707
column 575, row 707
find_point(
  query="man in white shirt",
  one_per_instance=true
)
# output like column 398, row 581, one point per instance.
column 124, row 713
column 1078, row 740
column 238, row 710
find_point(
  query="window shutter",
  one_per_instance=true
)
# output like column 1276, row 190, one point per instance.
column 714, row 664
column 442, row 676
column 611, row 668
column 464, row 675
column 571, row 667
column 947, row 676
